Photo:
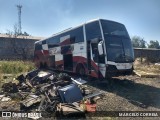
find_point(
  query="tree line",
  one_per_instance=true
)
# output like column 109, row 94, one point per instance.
column 139, row 42
column 16, row 32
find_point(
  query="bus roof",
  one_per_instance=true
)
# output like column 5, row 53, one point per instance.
column 72, row 28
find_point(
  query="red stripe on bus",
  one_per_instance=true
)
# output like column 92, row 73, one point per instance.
column 59, row 62
column 82, row 60
column 45, row 52
column 94, row 74
column 79, row 60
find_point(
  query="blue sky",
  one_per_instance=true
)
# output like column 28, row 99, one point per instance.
column 46, row 17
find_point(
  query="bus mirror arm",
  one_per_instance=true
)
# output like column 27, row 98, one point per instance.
column 100, row 48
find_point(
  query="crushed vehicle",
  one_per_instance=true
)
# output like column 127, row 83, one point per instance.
column 51, row 92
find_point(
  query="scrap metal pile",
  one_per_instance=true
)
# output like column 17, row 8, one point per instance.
column 55, row 93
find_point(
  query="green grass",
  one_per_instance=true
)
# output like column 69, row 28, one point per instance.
column 15, row 67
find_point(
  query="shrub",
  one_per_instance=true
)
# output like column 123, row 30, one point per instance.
column 14, row 67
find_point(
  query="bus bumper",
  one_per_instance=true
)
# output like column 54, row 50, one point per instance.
column 112, row 71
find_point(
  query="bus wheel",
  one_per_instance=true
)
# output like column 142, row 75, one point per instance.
column 80, row 70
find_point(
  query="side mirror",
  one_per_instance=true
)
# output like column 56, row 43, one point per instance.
column 100, row 48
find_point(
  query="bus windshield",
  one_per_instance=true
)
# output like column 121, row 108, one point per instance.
column 114, row 28
column 118, row 43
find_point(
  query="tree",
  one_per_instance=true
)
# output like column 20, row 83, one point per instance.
column 15, row 31
column 154, row 44
column 25, row 34
column 9, row 33
column 18, row 50
column 138, row 42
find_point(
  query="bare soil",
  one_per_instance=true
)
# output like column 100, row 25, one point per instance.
column 129, row 93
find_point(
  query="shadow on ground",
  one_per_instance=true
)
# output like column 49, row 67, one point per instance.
column 138, row 94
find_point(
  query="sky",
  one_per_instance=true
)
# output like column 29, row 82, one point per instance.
column 44, row 18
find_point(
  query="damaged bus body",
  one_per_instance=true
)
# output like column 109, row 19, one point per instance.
column 98, row 48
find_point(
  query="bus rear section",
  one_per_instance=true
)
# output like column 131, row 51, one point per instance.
column 99, row 48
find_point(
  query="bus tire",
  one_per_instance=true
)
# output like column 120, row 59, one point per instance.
column 80, row 70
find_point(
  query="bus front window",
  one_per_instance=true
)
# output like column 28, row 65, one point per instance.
column 118, row 43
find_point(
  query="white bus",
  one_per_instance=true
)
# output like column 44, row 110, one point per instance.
column 99, row 48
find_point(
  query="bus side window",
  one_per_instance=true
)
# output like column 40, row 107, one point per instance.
column 78, row 34
column 44, row 42
column 38, row 47
column 72, row 36
column 53, row 41
column 93, row 31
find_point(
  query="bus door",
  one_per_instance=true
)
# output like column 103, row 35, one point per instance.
column 97, row 60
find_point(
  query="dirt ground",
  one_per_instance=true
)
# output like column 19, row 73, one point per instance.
column 129, row 93
column 126, row 93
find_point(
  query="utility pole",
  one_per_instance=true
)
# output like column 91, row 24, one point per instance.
column 19, row 7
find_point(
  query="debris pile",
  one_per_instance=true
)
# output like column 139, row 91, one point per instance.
column 48, row 91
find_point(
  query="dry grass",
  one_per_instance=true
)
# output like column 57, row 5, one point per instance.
column 146, row 66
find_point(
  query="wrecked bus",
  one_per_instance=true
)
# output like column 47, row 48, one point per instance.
column 98, row 48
